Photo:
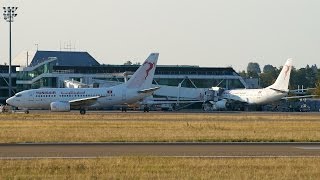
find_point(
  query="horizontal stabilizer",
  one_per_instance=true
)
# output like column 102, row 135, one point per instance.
column 150, row 90
column 300, row 97
column 278, row 90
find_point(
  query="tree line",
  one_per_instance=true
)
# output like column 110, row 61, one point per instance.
column 308, row 77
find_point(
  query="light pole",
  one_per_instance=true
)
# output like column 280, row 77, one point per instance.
column 9, row 15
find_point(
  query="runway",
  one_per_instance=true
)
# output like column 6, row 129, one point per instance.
column 93, row 150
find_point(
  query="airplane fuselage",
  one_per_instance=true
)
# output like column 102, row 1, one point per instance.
column 253, row 96
column 42, row 98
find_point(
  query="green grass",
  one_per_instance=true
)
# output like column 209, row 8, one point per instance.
column 162, row 168
column 158, row 127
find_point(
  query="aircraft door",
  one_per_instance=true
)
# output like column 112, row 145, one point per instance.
column 31, row 97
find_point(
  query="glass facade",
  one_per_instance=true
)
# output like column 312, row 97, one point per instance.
column 201, row 83
column 188, row 76
column 161, row 70
column 4, row 81
column 41, row 69
column 44, row 82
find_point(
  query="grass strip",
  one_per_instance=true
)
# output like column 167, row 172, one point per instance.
column 162, row 168
column 159, row 127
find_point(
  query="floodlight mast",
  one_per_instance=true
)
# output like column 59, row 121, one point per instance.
column 9, row 14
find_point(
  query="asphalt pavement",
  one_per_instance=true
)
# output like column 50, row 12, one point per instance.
column 93, row 150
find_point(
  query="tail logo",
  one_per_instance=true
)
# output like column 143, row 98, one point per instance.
column 286, row 71
column 151, row 65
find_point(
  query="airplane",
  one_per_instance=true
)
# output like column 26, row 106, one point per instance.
column 136, row 88
column 275, row 92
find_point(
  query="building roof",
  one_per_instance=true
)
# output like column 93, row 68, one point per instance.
column 172, row 70
column 64, row 58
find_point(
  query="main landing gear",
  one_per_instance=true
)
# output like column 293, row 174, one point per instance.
column 123, row 109
column 146, row 109
column 82, row 111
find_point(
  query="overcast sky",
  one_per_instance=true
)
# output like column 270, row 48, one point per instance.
column 184, row 32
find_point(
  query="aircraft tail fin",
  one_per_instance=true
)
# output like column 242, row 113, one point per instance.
column 143, row 77
column 282, row 82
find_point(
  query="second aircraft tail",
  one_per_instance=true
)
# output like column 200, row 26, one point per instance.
column 282, row 82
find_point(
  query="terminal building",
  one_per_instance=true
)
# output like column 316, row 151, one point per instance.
column 53, row 69
column 4, row 81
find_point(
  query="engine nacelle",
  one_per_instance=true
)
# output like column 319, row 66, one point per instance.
column 60, row 106
column 221, row 105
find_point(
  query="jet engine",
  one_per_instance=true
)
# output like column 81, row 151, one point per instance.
column 220, row 105
column 60, row 106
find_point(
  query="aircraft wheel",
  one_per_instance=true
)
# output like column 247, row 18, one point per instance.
column 146, row 109
column 26, row 112
column 82, row 111
column 124, row 109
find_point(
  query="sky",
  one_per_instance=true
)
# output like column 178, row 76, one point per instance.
column 210, row 33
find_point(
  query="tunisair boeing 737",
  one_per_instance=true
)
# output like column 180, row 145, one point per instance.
column 65, row 99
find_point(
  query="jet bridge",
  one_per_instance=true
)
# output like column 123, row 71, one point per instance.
column 212, row 100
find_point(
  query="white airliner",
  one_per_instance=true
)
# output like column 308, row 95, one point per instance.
column 65, row 99
column 273, row 93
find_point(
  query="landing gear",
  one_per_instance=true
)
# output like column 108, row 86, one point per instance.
column 124, row 109
column 146, row 109
column 26, row 111
column 82, row 111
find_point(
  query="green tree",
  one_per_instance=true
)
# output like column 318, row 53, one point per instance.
column 266, row 79
column 268, row 76
column 317, row 92
column 243, row 74
column 318, row 77
column 311, row 77
column 253, row 70
column 268, row 68
column 128, row 63
column 298, row 78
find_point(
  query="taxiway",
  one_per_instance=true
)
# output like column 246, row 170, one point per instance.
column 93, row 150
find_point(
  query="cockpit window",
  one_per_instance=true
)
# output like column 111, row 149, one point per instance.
column 18, row 95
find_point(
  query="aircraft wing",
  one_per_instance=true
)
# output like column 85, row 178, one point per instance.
column 84, row 102
column 300, row 97
column 301, row 90
column 170, row 102
column 150, row 90
column 235, row 100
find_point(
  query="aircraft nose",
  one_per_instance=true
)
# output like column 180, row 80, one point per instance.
column 10, row 101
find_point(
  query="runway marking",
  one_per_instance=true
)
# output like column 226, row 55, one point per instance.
column 168, row 143
column 309, row 148
column 109, row 157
